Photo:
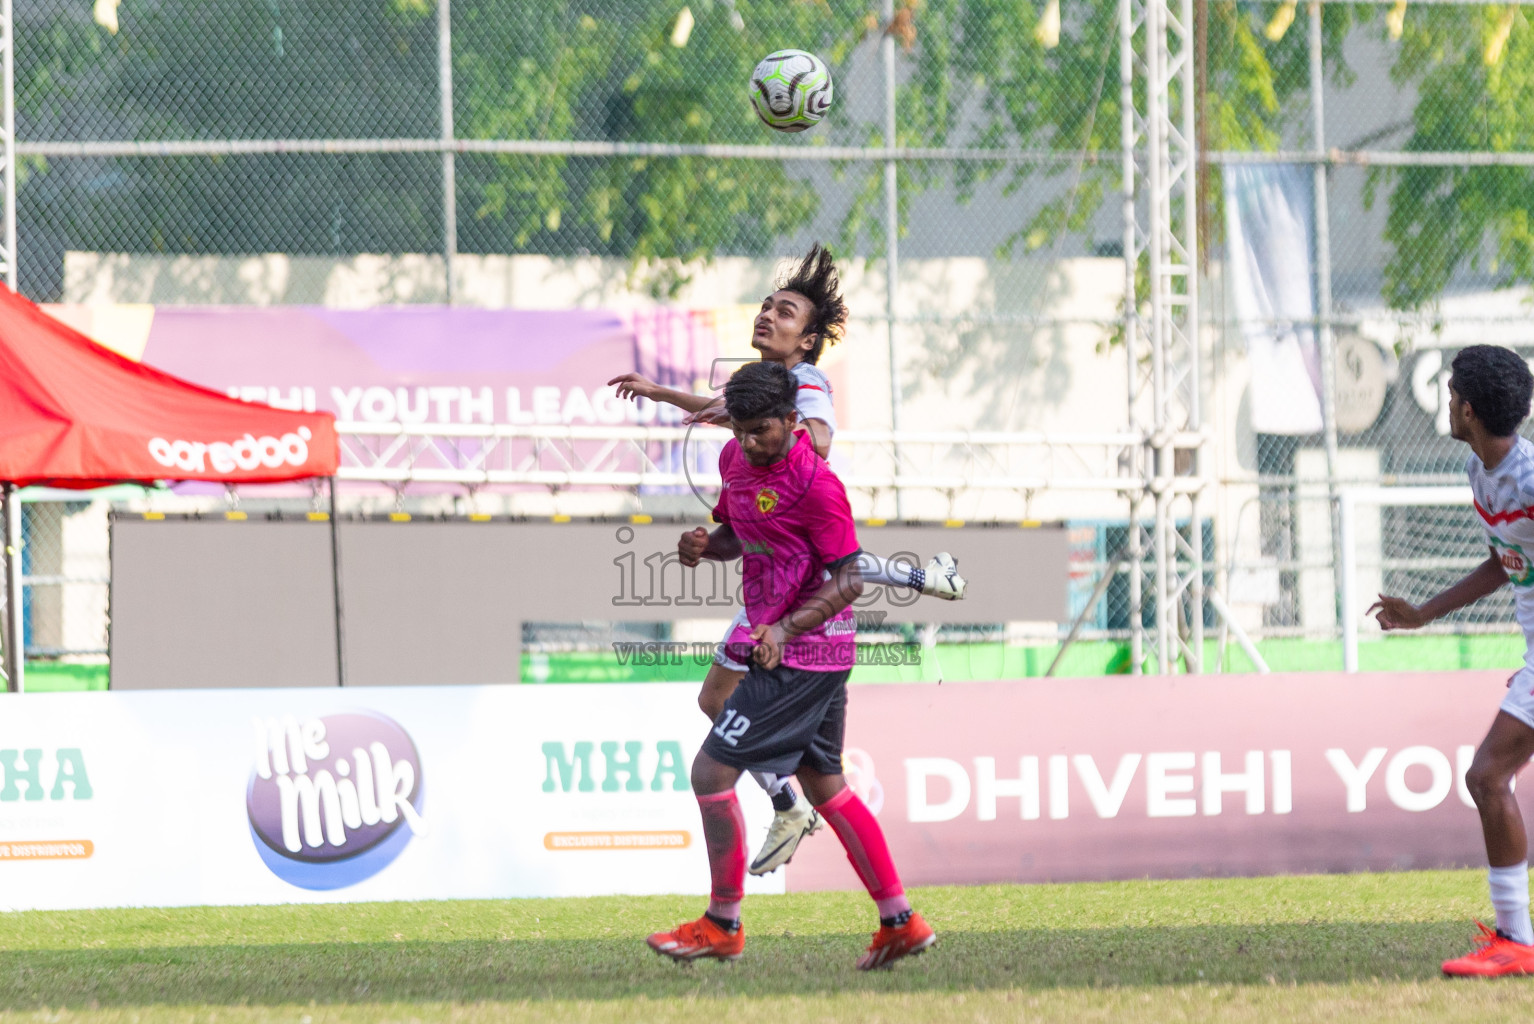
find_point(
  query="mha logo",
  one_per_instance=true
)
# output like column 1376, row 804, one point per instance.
column 328, row 797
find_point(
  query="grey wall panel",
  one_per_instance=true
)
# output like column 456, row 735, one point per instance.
column 1014, row 573
column 212, row 603
column 437, row 602
column 220, row 604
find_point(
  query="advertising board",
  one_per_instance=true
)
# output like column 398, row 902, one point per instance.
column 1166, row 777
column 180, row 797
column 400, row 793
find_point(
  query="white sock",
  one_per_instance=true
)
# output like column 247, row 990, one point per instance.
column 1510, row 897
column 882, row 570
column 773, row 784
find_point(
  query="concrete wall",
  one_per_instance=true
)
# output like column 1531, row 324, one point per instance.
column 209, row 603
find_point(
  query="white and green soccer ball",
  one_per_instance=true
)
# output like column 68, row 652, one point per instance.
column 791, row 90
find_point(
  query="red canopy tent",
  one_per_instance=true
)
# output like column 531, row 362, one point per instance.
column 75, row 414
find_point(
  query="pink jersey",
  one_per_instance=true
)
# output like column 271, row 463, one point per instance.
column 793, row 521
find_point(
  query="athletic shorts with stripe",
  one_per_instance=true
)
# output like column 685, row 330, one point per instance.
column 778, row 719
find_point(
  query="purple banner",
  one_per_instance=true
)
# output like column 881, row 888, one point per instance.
column 447, row 366
column 436, row 365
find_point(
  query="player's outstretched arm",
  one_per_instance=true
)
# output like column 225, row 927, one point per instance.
column 713, row 413
column 637, row 385
column 697, row 544
column 1398, row 613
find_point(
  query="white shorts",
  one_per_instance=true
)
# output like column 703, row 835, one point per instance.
column 722, row 659
column 742, row 626
column 1519, row 701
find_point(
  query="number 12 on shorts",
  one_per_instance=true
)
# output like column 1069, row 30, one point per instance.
column 732, row 727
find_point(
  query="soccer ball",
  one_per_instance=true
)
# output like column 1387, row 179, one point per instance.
column 791, row 90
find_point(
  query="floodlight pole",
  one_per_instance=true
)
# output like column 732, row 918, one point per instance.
column 8, row 140
column 449, row 172
column 1325, row 338
column 891, row 236
column 15, row 641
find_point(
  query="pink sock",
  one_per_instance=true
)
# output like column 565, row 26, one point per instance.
column 724, row 833
column 866, row 849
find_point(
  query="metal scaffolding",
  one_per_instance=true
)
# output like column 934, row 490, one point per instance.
column 661, row 457
column 1158, row 92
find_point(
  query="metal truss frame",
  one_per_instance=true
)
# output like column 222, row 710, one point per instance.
column 1158, row 92
column 560, row 457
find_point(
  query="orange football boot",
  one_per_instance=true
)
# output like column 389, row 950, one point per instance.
column 890, row 944
column 699, row 940
column 1495, row 955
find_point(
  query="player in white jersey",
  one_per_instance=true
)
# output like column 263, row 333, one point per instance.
column 1489, row 394
column 795, row 324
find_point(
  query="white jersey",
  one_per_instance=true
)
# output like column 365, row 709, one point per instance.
column 814, row 401
column 1504, row 502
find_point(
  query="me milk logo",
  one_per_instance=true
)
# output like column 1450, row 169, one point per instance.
column 333, row 800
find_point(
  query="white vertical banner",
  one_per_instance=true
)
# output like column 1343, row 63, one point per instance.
column 178, row 797
column 1268, row 224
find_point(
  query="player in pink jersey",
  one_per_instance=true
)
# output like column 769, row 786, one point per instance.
column 785, row 514
column 796, row 323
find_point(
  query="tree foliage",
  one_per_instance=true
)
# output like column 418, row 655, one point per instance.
column 603, row 70
column 978, row 73
column 1474, row 74
column 996, row 84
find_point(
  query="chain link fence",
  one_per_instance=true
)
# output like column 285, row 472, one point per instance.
column 66, row 570
column 1420, row 178
column 177, row 143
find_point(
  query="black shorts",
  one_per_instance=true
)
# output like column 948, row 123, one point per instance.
column 778, row 719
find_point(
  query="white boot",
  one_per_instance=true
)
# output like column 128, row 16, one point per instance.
column 788, row 827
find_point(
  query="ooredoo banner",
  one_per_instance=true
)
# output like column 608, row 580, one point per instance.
column 1166, row 777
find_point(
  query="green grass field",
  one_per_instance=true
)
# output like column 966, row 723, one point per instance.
column 1354, row 948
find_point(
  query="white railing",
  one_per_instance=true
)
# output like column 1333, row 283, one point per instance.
column 1348, row 501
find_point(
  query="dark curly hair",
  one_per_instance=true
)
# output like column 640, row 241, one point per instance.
column 815, row 278
column 1496, row 383
column 760, row 390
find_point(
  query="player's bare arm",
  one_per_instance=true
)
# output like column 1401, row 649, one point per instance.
column 1398, row 613
column 698, row 543
column 713, row 413
column 820, row 437
column 837, row 593
column 637, row 385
